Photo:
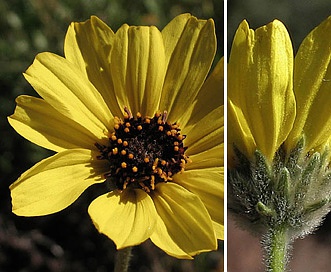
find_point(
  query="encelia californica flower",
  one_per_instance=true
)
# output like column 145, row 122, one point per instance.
column 279, row 127
column 132, row 109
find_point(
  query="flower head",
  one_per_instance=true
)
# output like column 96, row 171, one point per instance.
column 279, row 127
column 131, row 108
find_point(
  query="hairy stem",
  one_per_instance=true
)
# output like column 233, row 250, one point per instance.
column 122, row 261
column 277, row 247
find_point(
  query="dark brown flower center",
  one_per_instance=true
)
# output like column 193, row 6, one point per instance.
column 143, row 151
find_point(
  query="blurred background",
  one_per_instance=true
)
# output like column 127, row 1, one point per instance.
column 313, row 253
column 67, row 241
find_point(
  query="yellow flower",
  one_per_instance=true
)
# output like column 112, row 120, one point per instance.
column 274, row 99
column 279, row 125
column 132, row 108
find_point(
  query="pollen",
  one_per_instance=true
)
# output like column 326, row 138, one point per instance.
column 143, row 151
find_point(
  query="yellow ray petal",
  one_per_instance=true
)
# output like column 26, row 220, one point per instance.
column 166, row 243
column 190, row 46
column 209, row 98
column 260, row 83
column 88, row 45
column 41, row 124
column 312, row 83
column 128, row 218
column 213, row 157
column 239, row 134
column 56, row 182
column 207, row 133
column 65, row 88
column 138, row 68
column 184, row 226
column 208, row 185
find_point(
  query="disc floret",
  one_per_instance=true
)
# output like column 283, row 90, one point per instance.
column 143, row 151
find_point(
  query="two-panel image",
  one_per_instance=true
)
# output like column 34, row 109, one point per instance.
column 154, row 136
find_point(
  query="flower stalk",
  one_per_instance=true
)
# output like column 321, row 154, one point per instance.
column 122, row 260
column 277, row 246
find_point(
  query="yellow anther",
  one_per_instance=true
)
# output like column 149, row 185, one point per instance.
column 168, row 133
column 134, row 169
column 123, row 152
column 115, row 150
column 180, row 137
column 113, row 137
column 146, row 159
column 125, row 143
column 147, row 121
column 163, row 162
column 176, row 148
column 123, row 164
column 152, row 182
column 160, row 128
column 119, row 141
column 117, row 126
column 138, row 115
column 130, row 156
column 127, row 130
column 155, row 163
column 127, row 124
column 139, row 127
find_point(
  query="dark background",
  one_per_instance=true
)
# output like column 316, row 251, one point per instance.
column 299, row 16
column 67, row 241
